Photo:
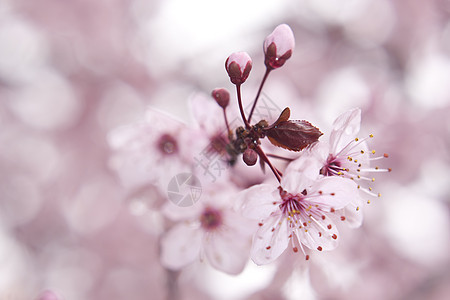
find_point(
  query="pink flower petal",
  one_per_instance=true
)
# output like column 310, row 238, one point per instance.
column 320, row 233
column 345, row 128
column 301, row 172
column 352, row 213
column 178, row 213
column 257, row 202
column 270, row 241
column 226, row 250
column 336, row 192
column 180, row 246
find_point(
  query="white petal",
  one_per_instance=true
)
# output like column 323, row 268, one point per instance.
column 352, row 213
column 319, row 233
column 162, row 121
column 345, row 128
column 336, row 192
column 227, row 251
column 257, row 202
column 179, row 213
column 205, row 111
column 301, row 172
column 180, row 246
column 269, row 244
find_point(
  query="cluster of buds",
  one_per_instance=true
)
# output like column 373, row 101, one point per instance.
column 293, row 135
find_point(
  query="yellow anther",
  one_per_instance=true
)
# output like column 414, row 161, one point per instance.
column 373, row 151
column 368, row 201
column 362, row 151
column 357, row 208
column 376, row 168
column 356, row 139
column 371, row 135
column 359, row 186
column 370, row 189
column 359, row 176
column 356, row 160
column 373, row 179
column 379, row 194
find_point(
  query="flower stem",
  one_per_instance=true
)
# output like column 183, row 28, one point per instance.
column 241, row 109
column 227, row 124
column 264, row 157
column 259, row 92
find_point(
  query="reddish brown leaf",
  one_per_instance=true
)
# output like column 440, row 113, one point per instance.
column 284, row 116
column 293, row 135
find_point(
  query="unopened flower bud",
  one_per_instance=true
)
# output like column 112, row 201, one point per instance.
column 278, row 46
column 222, row 97
column 250, row 157
column 238, row 66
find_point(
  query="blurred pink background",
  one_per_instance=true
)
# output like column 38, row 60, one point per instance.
column 72, row 71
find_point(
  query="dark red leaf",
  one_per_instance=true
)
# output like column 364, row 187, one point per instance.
column 293, row 135
column 284, row 116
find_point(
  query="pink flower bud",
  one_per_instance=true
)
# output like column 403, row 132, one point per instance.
column 278, row 46
column 222, row 97
column 238, row 66
column 250, row 157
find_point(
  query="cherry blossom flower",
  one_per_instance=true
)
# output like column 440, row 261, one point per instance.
column 209, row 230
column 152, row 151
column 348, row 156
column 301, row 212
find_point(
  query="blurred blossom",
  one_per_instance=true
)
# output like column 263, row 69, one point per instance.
column 48, row 295
column 48, row 102
column 426, row 220
column 24, row 50
column 427, row 82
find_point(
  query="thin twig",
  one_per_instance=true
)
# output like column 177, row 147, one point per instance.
column 259, row 92
column 241, row 109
